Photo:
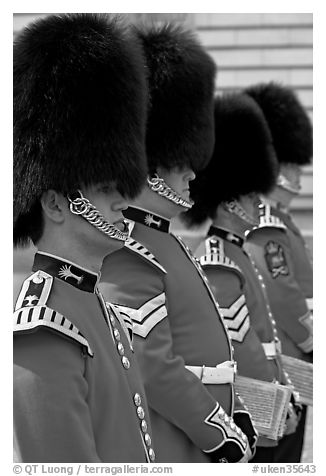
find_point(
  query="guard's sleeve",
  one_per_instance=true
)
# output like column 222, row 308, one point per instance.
column 228, row 287
column 51, row 416
column 228, row 290
column 172, row 391
column 270, row 249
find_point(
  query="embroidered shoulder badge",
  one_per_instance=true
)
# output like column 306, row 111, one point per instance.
column 275, row 259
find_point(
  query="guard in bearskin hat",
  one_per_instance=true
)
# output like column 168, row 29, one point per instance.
column 79, row 152
column 242, row 166
column 180, row 338
column 277, row 245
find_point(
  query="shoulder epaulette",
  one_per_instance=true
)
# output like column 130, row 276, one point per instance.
column 32, row 312
column 140, row 249
column 215, row 255
column 35, row 290
column 267, row 219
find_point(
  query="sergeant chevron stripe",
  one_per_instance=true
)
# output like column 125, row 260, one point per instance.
column 268, row 219
column 124, row 318
column 236, row 318
column 137, row 247
column 146, row 317
column 29, row 318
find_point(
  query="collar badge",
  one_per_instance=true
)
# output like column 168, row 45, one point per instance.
column 65, row 272
column 150, row 220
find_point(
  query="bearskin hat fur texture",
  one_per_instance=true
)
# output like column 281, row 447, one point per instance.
column 181, row 77
column 288, row 121
column 243, row 160
column 80, row 99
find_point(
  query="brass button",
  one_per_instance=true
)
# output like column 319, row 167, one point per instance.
column 144, row 426
column 116, row 334
column 120, row 348
column 151, row 454
column 37, row 279
column 125, row 362
column 137, row 399
column 140, row 413
column 112, row 319
column 147, row 439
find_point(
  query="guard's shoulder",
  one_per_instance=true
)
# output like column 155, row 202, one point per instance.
column 269, row 219
column 32, row 312
column 35, row 290
column 215, row 255
column 135, row 247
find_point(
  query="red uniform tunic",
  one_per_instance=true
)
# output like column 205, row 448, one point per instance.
column 241, row 292
column 271, row 250
column 302, row 260
column 275, row 249
column 246, row 311
column 78, row 395
column 176, row 323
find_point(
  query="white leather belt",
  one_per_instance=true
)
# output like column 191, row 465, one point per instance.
column 271, row 349
column 222, row 373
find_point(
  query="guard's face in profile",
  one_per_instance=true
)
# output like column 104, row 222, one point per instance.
column 292, row 172
column 250, row 203
column 178, row 179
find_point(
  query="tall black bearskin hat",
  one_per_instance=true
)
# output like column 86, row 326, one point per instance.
column 288, row 121
column 181, row 77
column 80, row 99
column 243, row 160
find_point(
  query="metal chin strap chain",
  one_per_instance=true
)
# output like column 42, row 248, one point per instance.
column 284, row 183
column 235, row 207
column 81, row 206
column 158, row 185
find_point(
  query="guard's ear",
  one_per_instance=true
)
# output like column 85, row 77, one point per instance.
column 54, row 205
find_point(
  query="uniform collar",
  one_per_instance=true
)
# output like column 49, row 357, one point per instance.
column 145, row 217
column 226, row 235
column 67, row 271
